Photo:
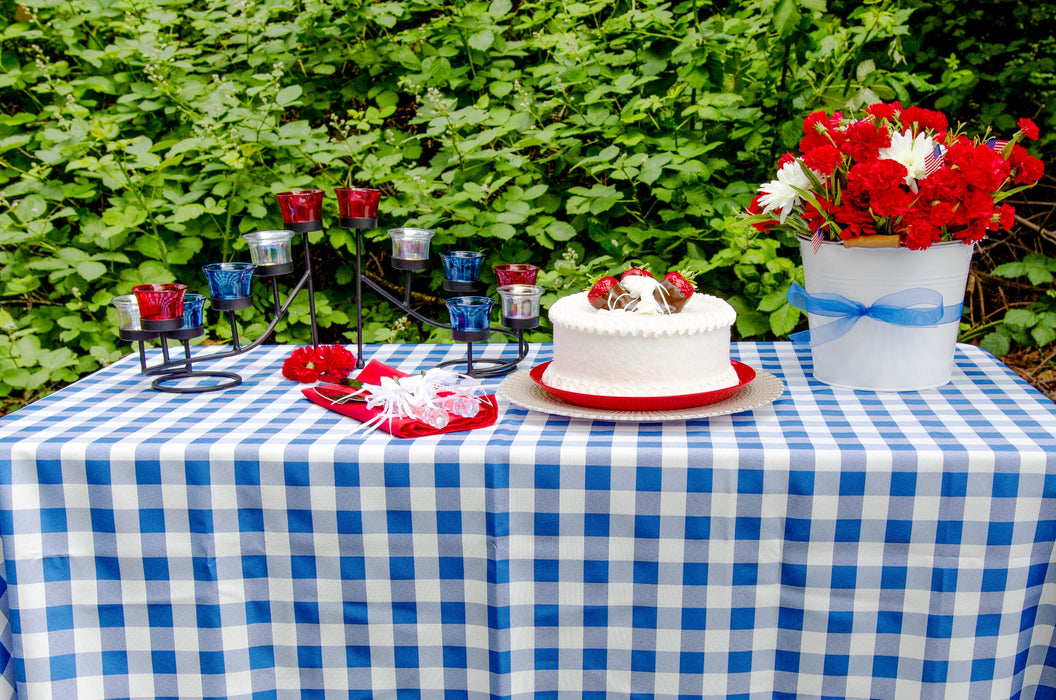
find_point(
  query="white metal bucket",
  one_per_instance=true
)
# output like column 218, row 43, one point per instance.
column 875, row 354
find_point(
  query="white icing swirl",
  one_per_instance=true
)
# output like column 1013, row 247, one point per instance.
column 702, row 312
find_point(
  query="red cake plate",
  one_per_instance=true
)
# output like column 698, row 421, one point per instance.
column 745, row 375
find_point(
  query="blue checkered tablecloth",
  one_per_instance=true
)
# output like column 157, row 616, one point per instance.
column 244, row 544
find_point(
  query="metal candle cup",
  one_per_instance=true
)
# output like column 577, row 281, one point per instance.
column 516, row 273
column 229, row 280
column 410, row 248
column 520, row 305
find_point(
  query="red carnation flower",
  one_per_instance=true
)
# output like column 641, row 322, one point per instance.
column 336, row 362
column 328, row 363
column 1028, row 169
column 876, row 176
column 864, row 141
column 1007, row 217
column 820, row 129
column 924, row 119
column 920, row 234
column 1029, row 128
column 823, row 160
column 980, row 166
column 300, row 365
column 883, row 110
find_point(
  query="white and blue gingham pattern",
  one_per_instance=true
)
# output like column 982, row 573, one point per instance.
column 241, row 544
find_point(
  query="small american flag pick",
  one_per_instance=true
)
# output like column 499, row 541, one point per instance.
column 933, row 161
column 997, row 144
column 815, row 240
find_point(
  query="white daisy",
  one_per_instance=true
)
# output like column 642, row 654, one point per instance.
column 781, row 195
column 910, row 152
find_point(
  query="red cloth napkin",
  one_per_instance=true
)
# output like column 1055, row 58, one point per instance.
column 398, row 427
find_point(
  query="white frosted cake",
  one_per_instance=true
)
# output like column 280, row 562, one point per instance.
column 642, row 352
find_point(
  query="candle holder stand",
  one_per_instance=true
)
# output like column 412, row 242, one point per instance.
column 230, row 291
column 477, row 367
column 172, row 373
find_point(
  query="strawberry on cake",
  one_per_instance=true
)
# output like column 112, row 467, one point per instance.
column 638, row 336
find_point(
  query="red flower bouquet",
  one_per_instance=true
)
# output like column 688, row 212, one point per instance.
column 325, row 363
column 900, row 173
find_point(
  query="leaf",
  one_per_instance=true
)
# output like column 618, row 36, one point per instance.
column 150, row 247
column 996, row 343
column 186, row 212
column 1036, row 267
column 91, row 270
column 561, row 231
column 57, row 359
column 26, row 347
column 17, row 378
column 786, row 17
column 16, row 141
column 482, row 40
column 865, row 68
column 784, row 320
column 624, row 82
column 1043, row 335
column 752, row 324
column 30, row 208
column 1020, row 318
column 288, row 95
column 774, row 300
column 501, row 230
column 500, row 8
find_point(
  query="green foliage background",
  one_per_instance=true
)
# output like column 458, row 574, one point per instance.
column 138, row 141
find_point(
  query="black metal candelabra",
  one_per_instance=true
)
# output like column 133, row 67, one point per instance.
column 157, row 312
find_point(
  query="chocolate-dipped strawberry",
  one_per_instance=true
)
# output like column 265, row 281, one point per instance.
column 636, row 272
column 608, row 293
column 673, row 293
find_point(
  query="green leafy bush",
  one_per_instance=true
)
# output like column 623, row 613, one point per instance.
column 139, row 141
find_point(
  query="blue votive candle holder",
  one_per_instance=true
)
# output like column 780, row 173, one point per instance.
column 230, row 284
column 193, row 307
column 461, row 270
column 470, row 317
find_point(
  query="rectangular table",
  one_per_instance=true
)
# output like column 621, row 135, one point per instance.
column 245, row 544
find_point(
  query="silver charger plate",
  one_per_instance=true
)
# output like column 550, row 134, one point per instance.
column 519, row 388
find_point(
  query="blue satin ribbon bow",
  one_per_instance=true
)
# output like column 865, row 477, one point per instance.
column 918, row 307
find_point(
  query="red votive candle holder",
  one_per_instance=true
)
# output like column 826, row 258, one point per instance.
column 516, row 273
column 357, row 206
column 302, row 210
column 160, row 305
